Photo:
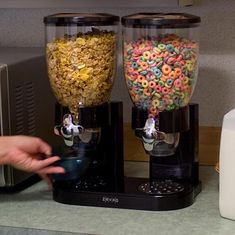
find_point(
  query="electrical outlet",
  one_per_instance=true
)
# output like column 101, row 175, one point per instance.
column 185, row 3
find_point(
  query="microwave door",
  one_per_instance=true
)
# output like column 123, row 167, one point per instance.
column 4, row 119
column 2, row 177
column 4, row 101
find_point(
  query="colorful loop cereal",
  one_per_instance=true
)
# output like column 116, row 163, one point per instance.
column 172, row 75
column 156, row 50
column 177, row 83
column 157, row 72
column 153, row 56
column 147, row 92
column 135, row 65
column 171, row 60
column 169, row 82
column 166, row 69
column 158, row 88
column 161, row 83
column 153, row 64
column 150, row 62
column 164, row 77
column 152, row 84
column 170, row 48
column 185, row 80
column 155, row 103
column 144, row 72
column 146, row 55
column 177, row 72
column 145, row 83
column 168, row 66
column 165, row 90
column 140, row 78
column 153, row 110
column 129, row 83
column 144, row 65
column 161, row 46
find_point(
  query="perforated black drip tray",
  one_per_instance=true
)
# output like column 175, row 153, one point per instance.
column 161, row 187
column 133, row 193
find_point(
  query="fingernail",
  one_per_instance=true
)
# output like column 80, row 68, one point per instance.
column 48, row 153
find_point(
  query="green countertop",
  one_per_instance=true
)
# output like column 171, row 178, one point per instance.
column 33, row 211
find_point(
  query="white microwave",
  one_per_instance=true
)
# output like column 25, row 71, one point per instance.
column 26, row 103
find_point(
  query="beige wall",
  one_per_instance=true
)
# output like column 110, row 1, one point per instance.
column 215, row 90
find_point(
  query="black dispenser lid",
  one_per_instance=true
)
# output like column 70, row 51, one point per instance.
column 81, row 19
column 161, row 20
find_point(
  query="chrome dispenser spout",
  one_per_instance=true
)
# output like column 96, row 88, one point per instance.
column 68, row 129
column 158, row 143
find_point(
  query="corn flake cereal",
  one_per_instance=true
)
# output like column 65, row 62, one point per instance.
column 81, row 68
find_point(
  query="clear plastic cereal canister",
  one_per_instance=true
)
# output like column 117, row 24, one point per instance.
column 81, row 57
column 160, row 59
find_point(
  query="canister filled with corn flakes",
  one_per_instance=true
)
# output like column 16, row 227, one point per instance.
column 81, row 57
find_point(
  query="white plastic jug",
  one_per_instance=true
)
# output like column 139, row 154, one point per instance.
column 227, row 167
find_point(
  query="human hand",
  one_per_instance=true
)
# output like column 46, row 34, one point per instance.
column 29, row 154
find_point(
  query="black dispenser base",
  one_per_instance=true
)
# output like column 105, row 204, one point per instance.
column 104, row 183
column 129, row 198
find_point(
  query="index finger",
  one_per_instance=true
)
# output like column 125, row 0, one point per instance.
column 43, row 147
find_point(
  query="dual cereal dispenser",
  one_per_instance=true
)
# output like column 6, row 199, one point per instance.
column 160, row 60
